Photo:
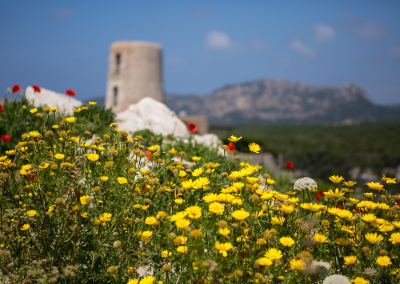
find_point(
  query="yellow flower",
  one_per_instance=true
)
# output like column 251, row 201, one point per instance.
column 286, row 241
column 223, row 248
column 216, row 208
column 92, row 157
column 194, row 212
column 173, row 151
column 179, row 201
column 187, row 184
column 146, row 235
column 368, row 217
column 105, row 217
column 277, row 220
column 197, row 172
column 196, row 159
column 240, row 215
column 349, row 260
column 369, row 194
column 373, row 238
column 10, row 152
column 261, row 242
column 59, row 156
column 104, row 178
column 182, row 173
column 34, row 110
column 150, row 220
column 161, row 215
column 182, row 223
column 71, row 119
column 349, row 183
column 383, row 260
column 165, row 253
column 320, row 238
column 133, row 281
column 31, row 213
column 264, row 261
column 225, row 197
column 375, row 185
column 85, row 200
column 122, row 180
column 297, row 264
column 287, row 209
column 25, row 227
column 178, row 216
column 210, row 198
column 395, row 238
column 360, row 280
column 180, row 240
column 147, row 280
column 84, row 214
column 182, row 249
column 224, row 231
column 153, row 148
column 273, row 254
column 336, row 179
column 270, row 181
column 92, row 103
column 77, row 110
column 234, row 139
column 335, row 194
column 51, row 208
column 254, row 147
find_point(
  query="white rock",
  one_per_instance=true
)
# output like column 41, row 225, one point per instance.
column 210, row 140
column 49, row 98
column 154, row 115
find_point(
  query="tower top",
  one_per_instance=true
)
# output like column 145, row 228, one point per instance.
column 130, row 44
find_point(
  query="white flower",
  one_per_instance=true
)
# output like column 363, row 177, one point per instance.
column 305, row 183
column 336, row 279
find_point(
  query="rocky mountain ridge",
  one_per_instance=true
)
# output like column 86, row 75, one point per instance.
column 282, row 101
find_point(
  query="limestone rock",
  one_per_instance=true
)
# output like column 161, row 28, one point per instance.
column 49, row 98
column 210, row 140
column 154, row 115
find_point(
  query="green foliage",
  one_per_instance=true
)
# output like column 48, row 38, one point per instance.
column 16, row 120
column 325, row 150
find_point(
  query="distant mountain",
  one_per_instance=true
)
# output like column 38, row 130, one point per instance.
column 281, row 101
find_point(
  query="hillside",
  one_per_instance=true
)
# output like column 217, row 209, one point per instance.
column 281, row 101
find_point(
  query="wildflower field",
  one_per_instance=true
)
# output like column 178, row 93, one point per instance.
column 119, row 209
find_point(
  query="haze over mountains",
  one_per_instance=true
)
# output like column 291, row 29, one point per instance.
column 282, row 101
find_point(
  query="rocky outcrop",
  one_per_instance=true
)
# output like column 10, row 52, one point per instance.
column 273, row 100
column 49, row 98
column 154, row 115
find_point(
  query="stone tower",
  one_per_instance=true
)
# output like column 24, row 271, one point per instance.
column 134, row 72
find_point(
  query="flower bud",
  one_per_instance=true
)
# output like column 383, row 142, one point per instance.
column 166, row 268
column 117, row 244
column 112, row 270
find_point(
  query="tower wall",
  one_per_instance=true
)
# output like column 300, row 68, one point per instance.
column 134, row 72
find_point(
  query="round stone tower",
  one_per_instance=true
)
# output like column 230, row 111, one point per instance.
column 134, row 72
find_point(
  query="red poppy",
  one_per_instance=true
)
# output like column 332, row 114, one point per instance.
column 5, row 138
column 16, row 89
column 1, row 108
column 71, row 93
column 31, row 178
column 289, row 165
column 319, row 195
column 231, row 147
column 192, row 127
column 340, row 207
column 148, row 154
column 36, row 89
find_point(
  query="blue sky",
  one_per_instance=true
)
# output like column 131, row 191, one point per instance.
column 206, row 44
